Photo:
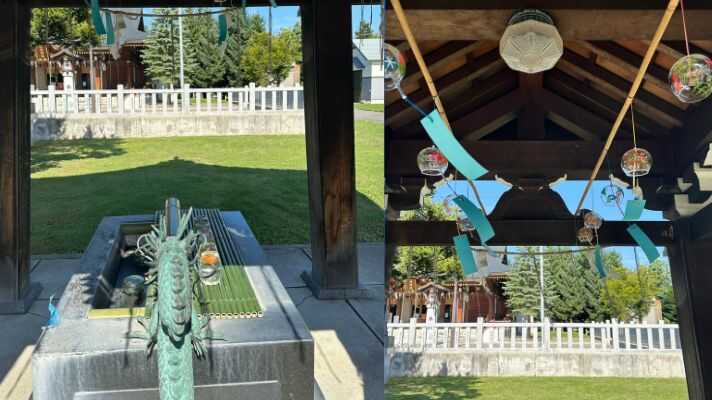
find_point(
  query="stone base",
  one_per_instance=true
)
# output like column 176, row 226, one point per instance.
column 92, row 355
column 360, row 292
column 22, row 305
column 253, row 390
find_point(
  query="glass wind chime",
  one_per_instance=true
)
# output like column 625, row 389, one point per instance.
column 690, row 77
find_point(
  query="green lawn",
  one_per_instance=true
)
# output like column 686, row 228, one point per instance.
column 76, row 183
column 369, row 107
column 536, row 389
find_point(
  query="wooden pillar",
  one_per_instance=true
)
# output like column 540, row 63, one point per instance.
column 16, row 292
column 691, row 270
column 329, row 120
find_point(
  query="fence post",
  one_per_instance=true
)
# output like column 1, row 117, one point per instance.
column 616, row 334
column 186, row 97
column 480, row 332
column 546, row 334
column 253, row 96
column 52, row 98
column 120, row 96
column 412, row 332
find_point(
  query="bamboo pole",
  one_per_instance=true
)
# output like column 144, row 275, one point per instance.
column 672, row 6
column 403, row 21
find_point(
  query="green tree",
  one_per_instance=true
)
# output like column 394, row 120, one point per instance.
column 365, row 31
column 67, row 27
column 567, row 281
column 161, row 54
column 236, row 40
column 439, row 264
column 592, row 285
column 256, row 55
column 203, row 38
column 628, row 294
column 522, row 287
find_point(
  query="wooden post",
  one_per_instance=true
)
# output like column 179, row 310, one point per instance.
column 329, row 120
column 16, row 291
column 692, row 280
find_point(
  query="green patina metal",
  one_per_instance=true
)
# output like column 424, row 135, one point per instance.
column 173, row 327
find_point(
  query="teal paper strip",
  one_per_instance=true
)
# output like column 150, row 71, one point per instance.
column 96, row 18
column 651, row 252
column 222, row 25
column 633, row 210
column 109, row 30
column 599, row 262
column 464, row 252
column 450, row 147
column 477, row 218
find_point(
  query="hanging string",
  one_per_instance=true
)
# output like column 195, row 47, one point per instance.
column 411, row 102
column 684, row 26
column 635, row 143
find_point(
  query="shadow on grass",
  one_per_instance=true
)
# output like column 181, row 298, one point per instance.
column 67, row 210
column 434, row 388
column 49, row 154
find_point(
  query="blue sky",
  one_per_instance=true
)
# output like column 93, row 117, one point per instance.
column 570, row 191
column 286, row 16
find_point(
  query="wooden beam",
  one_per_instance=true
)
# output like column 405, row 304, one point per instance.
column 578, row 91
column 480, row 92
column 629, row 58
column 489, row 118
column 522, row 232
column 575, row 119
column 548, row 5
column 435, row 58
column 689, row 142
column 474, row 20
column 523, row 158
column 329, row 121
column 602, row 75
column 16, row 291
column 692, row 280
column 467, row 71
column 532, row 119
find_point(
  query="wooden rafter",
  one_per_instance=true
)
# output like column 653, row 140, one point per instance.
column 583, row 94
column 595, row 72
column 468, row 71
column 532, row 119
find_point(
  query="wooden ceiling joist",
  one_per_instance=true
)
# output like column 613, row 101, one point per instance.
column 487, row 119
column 433, row 59
column 575, row 20
column 531, row 232
column 520, row 158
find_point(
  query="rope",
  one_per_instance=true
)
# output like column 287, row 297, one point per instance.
column 672, row 5
column 684, row 27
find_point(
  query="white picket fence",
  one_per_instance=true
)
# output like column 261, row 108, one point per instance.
column 146, row 101
column 609, row 336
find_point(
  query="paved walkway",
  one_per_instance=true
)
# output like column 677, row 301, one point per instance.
column 373, row 116
column 348, row 334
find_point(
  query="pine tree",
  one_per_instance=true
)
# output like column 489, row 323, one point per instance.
column 234, row 46
column 522, row 287
column 161, row 54
column 202, row 31
column 567, row 282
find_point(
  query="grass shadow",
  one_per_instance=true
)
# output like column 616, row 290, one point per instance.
column 66, row 210
column 50, row 153
column 433, row 388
